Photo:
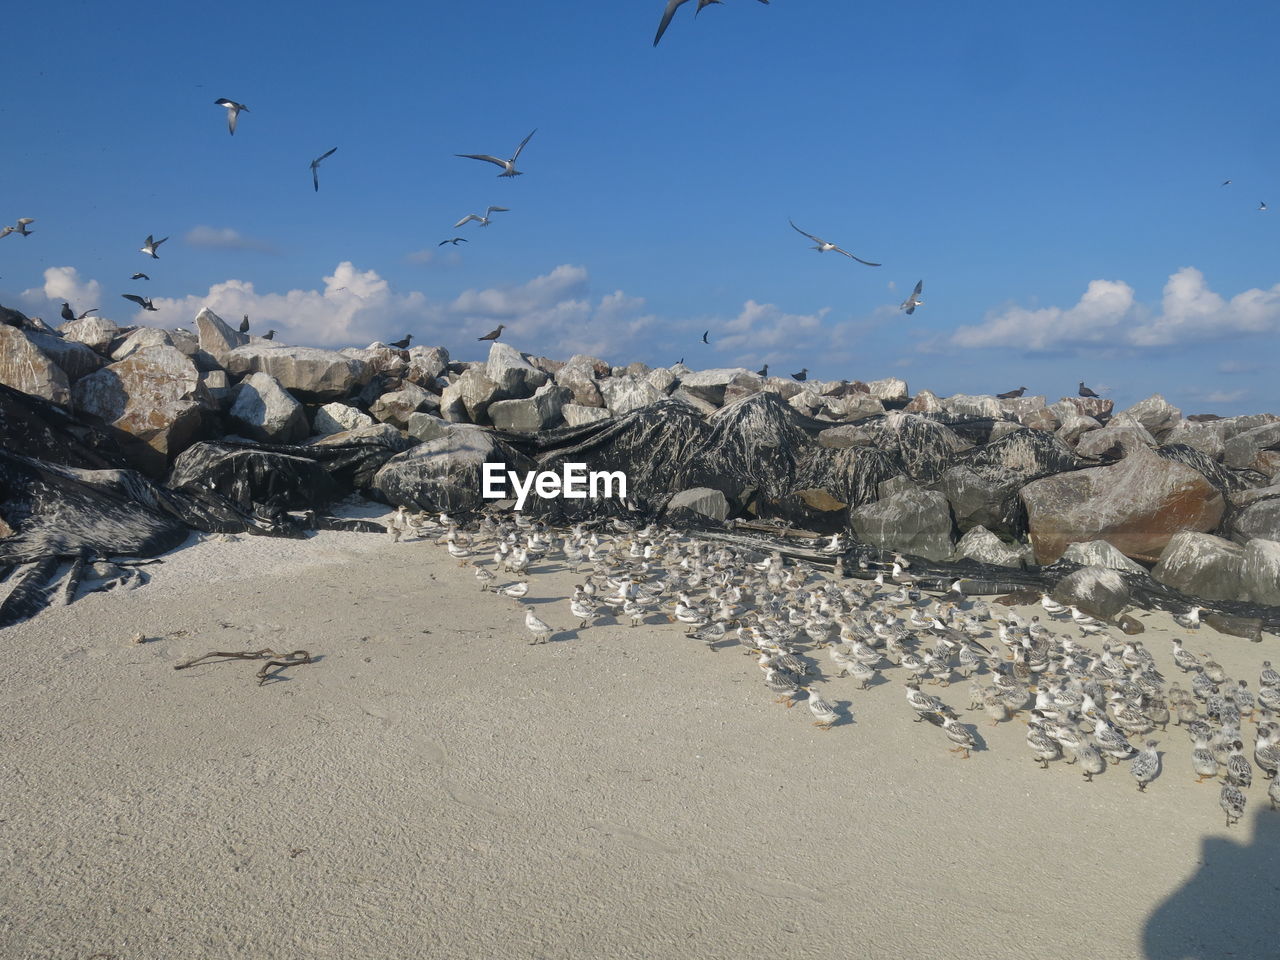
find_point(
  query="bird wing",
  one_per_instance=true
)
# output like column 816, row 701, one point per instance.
column 522, row 143
column 919, row 288
column 233, row 113
column 443, row 242
column 8, row 230
column 483, row 156
column 489, row 210
column 25, row 220
column 327, row 153
column 667, row 14
column 467, row 219
column 852, row 257
column 909, row 309
column 150, row 242
column 809, row 235
column 135, row 298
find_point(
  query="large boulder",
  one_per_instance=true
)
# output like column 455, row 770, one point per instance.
column 338, row 418
column 1241, row 451
column 1156, row 414
column 310, row 374
column 1099, row 553
column 1074, row 427
column 923, row 445
column 982, row 545
column 1201, row 565
column 264, row 410
column 663, row 378
column 539, row 412
column 74, row 359
column 973, row 405
column 846, row 435
column 1098, row 591
column 625, row 394
column 1260, row 520
column 912, row 520
column 782, row 386
column 447, row 473
column 1205, row 437
column 396, row 406
column 217, row 338
column 1260, row 572
column 576, row 414
column 155, row 396
column 710, row 385
column 425, row 426
column 926, row 401
column 25, row 367
column 1097, row 407
column 855, row 406
column 1137, row 505
column 426, row 365
column 96, row 333
column 1114, row 439
column 890, row 388
column 704, row 407
column 515, row 376
column 140, row 339
column 468, row 396
column 698, row 501
column 578, row 376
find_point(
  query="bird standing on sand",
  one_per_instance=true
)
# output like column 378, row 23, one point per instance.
column 823, row 246
column 494, row 334
column 802, row 375
column 233, row 112
column 244, row 324
column 1145, row 767
column 151, row 246
column 824, row 714
column 540, row 630
column 143, row 302
column 508, row 166
column 1232, row 800
column 315, row 167
column 1011, row 394
column 483, row 220
column 402, row 344
column 455, row 241
column 1085, row 391
column 913, row 301
column 670, row 11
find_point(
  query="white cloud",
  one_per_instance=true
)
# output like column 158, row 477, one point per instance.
column 224, row 238
column 760, row 329
column 1109, row 313
column 64, row 283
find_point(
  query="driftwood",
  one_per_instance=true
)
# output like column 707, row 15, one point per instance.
column 274, row 661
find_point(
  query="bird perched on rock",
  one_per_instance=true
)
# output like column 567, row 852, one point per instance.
column 68, row 314
column 1011, row 394
column 233, row 112
column 802, row 375
column 494, row 334
column 143, row 302
column 244, row 324
column 508, row 166
column 1085, row 391
column 315, row 168
column 909, row 305
column 150, row 247
column 268, row 335
column 824, row 246
column 763, row 371
column 402, row 344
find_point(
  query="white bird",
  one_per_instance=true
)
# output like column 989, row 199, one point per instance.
column 20, row 228
column 151, row 246
column 233, row 112
column 515, row 590
column 508, row 166
column 913, row 301
column 823, row 246
column 540, row 630
column 315, row 167
column 484, row 220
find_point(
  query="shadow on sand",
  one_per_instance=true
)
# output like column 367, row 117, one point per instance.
column 1228, row 908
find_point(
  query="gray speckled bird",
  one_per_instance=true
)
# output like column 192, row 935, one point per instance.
column 1145, row 767
column 1232, row 802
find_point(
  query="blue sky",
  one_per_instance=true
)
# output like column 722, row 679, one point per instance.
column 1052, row 173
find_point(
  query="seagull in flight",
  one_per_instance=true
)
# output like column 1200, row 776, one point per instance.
column 233, row 111
column 20, row 228
column 143, row 302
column 704, row 337
column 455, row 241
column 484, row 221
column 315, row 167
column 508, row 166
column 670, row 12
column 151, row 246
column 914, row 300
column 139, row 276
column 823, row 246
column 1262, row 205
column 1225, row 182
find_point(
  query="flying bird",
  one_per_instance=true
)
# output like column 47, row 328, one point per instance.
column 143, row 302
column 455, row 241
column 494, row 334
column 802, row 375
column 1085, row 391
column 139, row 276
column 670, row 11
column 1011, row 394
column 1262, row 205
column 484, row 221
column 233, row 111
column 704, row 337
column 1225, row 182
column 315, row 167
column 151, row 246
column 244, row 324
column 823, row 246
column 508, row 166
column 402, row 344
column 914, row 300
column 20, row 228
column 68, row 314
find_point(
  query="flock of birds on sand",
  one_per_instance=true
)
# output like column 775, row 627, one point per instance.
column 1084, row 694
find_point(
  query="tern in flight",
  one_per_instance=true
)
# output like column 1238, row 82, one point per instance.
column 670, row 12
column 455, row 241
column 823, row 246
column 233, row 111
column 484, row 221
column 150, row 247
column 914, row 300
column 315, row 167
column 143, row 302
column 20, row 228
column 139, row 276
column 508, row 166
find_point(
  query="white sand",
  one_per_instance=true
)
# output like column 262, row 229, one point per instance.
column 435, row 786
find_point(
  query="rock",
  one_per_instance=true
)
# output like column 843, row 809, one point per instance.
column 310, row 374
column 701, row 501
column 1002, row 428
column 338, row 418
column 1241, row 450
column 697, row 403
column 469, row 397
column 1098, row 591
column 140, row 339
column 218, row 339
column 1260, row 572
column 515, row 376
column 662, row 379
column 575, row 414
column 1099, row 553
column 710, row 385
column 1129, row 626
column 977, row 406
column 1201, row 565
column 1205, row 437
column 845, row 436
column 890, row 388
column 1156, row 414
column 96, row 333
column 1242, row 498
column 1074, row 427
column 783, row 387
column 1097, row 407
column 25, row 367
column 926, row 401
column 1020, row 407
column 380, row 359
column 74, row 359
column 154, row 396
column 547, row 365
column 743, row 385
column 923, row 445
column 1258, row 521
column 856, row 406
column 218, row 386
column 266, row 412
column 1137, row 505
column 625, row 394
column 446, row 473
column 578, row 376
column 984, row 546
column 252, row 478
column 426, row 365
column 913, row 521
column 539, row 412
column 1114, row 439
column 806, row 402
column 637, row 369
column 396, row 406
column 425, row 426
column 1248, row 627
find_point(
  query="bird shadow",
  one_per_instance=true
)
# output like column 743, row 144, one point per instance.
column 538, row 601
column 1227, row 908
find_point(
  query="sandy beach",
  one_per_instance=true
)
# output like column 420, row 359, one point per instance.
column 435, row 786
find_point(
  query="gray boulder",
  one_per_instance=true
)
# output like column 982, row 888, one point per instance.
column 1241, row 451
column 1260, row 520
column 515, row 376
column 1201, row 565
column 1205, row 437
column 96, row 333
column 25, row 367
column 1260, row 572
column 663, row 378
column 218, row 386
column 396, row 406
column 977, row 406
column 911, row 520
column 469, row 396
column 74, row 359
column 702, row 501
column 1099, row 553
column 338, row 418
column 1098, row 591
column 265, row 411
column 217, row 338
column 624, row 394
column 890, row 388
column 982, row 545
column 856, row 406
column 1074, row 427
column 310, row 374
column 924, row 402
column 575, row 414
column 1114, row 439
column 1097, row 407
column 426, row 365
column 578, row 376
column 846, row 435
column 539, row 412
column 426, row 426
column 1156, row 414
column 710, row 385
column 704, row 407
column 783, row 387
column 140, row 339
